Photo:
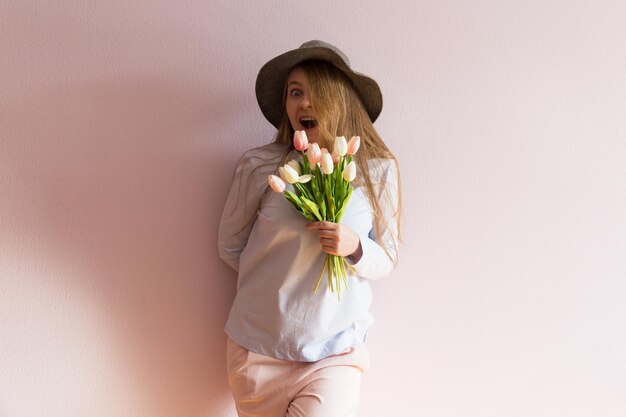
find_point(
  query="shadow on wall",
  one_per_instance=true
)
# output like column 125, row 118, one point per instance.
column 116, row 183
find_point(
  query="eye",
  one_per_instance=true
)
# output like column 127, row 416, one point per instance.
column 295, row 92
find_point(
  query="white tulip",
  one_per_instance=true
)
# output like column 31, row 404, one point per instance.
column 349, row 172
column 290, row 174
column 341, row 146
column 327, row 164
column 295, row 165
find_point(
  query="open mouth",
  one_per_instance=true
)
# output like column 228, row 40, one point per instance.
column 308, row 122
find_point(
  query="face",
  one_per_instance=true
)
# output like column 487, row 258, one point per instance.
column 298, row 106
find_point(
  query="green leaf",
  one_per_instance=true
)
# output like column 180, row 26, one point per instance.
column 293, row 199
column 312, row 207
column 344, row 203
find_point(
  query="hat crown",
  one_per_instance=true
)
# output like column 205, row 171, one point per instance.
column 322, row 44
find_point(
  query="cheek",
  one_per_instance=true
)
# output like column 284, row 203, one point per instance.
column 291, row 112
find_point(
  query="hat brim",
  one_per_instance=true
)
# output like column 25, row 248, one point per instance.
column 271, row 81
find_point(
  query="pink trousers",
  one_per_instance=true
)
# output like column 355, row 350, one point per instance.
column 268, row 387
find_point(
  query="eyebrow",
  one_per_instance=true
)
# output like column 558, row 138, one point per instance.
column 294, row 82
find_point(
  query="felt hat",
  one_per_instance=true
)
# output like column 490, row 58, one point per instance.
column 271, row 79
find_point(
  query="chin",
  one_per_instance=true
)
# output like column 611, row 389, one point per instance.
column 311, row 134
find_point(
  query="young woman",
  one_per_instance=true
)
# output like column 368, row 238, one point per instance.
column 291, row 351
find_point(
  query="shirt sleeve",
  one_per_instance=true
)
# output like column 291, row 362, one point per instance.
column 240, row 211
column 380, row 253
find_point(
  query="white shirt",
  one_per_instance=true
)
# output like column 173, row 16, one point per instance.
column 275, row 312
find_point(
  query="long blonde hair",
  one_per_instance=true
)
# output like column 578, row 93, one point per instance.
column 340, row 112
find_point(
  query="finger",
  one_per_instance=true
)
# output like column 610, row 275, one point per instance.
column 324, row 225
column 329, row 234
column 326, row 241
column 330, row 250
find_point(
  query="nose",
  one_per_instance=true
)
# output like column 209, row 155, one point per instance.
column 305, row 103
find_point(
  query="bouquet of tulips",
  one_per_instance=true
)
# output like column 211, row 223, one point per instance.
column 322, row 187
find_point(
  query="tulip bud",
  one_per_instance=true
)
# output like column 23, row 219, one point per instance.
column 353, row 144
column 314, row 154
column 290, row 174
column 341, row 146
column 349, row 172
column 300, row 140
column 327, row 164
column 276, row 184
column 295, row 165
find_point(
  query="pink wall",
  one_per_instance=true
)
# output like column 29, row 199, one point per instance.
column 120, row 124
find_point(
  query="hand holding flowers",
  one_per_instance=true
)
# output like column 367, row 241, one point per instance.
column 337, row 239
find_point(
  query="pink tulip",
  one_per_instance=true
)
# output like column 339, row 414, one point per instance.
column 276, row 183
column 353, row 144
column 314, row 153
column 300, row 140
